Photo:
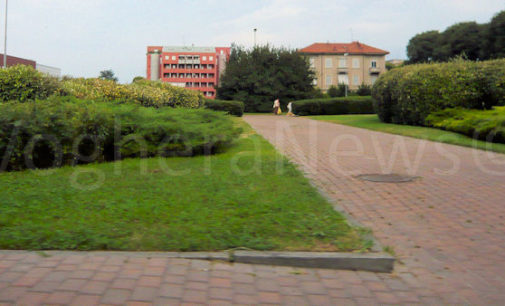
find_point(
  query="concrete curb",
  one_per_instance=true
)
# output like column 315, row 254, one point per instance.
column 373, row 262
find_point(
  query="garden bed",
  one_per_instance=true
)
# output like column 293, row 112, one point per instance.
column 204, row 203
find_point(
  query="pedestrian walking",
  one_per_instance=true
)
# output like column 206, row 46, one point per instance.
column 290, row 109
column 277, row 106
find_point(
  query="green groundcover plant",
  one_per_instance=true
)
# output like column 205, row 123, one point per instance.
column 486, row 125
column 373, row 123
column 67, row 130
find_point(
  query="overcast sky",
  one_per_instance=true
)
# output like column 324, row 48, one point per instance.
column 83, row 37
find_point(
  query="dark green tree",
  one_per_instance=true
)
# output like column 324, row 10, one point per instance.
column 364, row 90
column 333, row 91
column 108, row 75
column 495, row 37
column 137, row 78
column 422, row 47
column 461, row 39
column 341, row 90
column 260, row 75
column 468, row 39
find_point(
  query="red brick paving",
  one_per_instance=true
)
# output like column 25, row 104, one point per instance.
column 189, row 281
column 446, row 229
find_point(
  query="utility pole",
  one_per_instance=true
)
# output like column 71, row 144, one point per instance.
column 5, row 36
column 346, row 84
column 255, row 36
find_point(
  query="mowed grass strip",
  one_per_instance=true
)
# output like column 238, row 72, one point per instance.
column 249, row 196
column 372, row 122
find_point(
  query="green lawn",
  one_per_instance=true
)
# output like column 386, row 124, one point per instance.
column 372, row 122
column 195, row 210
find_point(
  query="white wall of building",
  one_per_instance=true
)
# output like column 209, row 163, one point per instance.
column 52, row 71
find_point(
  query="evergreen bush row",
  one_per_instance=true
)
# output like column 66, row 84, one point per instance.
column 22, row 83
column 334, row 106
column 409, row 94
column 235, row 108
column 143, row 92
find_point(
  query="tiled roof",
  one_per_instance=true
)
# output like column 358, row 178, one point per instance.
column 355, row 47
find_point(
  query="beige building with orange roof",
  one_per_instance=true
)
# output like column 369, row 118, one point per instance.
column 352, row 63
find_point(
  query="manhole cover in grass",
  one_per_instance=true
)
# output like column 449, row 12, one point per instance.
column 387, row 178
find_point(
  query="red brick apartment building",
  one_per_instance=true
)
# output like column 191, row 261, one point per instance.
column 13, row 60
column 196, row 68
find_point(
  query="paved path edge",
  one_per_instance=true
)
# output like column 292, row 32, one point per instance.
column 370, row 261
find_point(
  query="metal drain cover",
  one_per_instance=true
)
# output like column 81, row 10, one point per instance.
column 387, row 178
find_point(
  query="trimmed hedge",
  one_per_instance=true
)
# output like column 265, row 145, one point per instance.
column 143, row 92
column 66, row 130
column 235, row 108
column 24, row 83
column 487, row 125
column 407, row 95
column 334, row 106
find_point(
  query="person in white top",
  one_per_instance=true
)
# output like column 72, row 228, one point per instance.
column 277, row 105
column 290, row 109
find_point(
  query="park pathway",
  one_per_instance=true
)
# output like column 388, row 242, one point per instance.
column 447, row 227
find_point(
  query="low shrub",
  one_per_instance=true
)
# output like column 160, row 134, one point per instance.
column 65, row 130
column 488, row 125
column 339, row 91
column 364, row 90
column 180, row 97
column 317, row 93
column 334, row 106
column 409, row 94
column 24, row 83
column 143, row 92
column 333, row 92
column 235, row 108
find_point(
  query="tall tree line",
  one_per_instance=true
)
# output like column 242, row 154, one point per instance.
column 470, row 39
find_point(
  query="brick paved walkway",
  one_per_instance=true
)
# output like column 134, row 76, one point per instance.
column 447, row 230
column 447, row 227
column 137, row 279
